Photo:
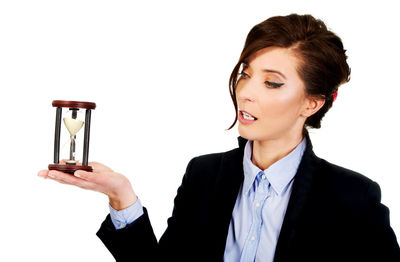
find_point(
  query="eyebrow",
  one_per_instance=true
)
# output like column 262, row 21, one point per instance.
column 246, row 65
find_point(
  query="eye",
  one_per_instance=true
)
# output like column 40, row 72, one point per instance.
column 273, row 84
column 242, row 74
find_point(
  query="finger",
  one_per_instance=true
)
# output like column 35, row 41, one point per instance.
column 84, row 175
column 94, row 177
column 43, row 173
column 70, row 180
column 101, row 180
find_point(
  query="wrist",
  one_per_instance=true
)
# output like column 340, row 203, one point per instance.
column 122, row 199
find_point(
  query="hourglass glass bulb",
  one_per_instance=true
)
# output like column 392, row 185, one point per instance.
column 73, row 125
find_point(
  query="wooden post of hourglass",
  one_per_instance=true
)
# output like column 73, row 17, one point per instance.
column 71, row 166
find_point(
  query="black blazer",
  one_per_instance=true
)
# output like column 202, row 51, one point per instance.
column 334, row 214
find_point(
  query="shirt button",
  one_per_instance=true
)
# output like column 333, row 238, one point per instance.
column 122, row 225
column 253, row 238
column 263, row 176
column 257, row 204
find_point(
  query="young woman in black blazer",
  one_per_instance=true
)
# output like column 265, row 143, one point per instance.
column 285, row 81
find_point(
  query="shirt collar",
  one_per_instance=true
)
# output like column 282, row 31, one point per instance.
column 279, row 174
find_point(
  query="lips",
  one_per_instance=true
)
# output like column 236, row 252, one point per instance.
column 246, row 115
column 246, row 118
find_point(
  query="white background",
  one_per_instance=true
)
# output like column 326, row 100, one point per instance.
column 158, row 72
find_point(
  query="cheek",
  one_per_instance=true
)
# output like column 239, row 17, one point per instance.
column 281, row 103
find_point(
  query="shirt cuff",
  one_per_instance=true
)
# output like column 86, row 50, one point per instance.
column 123, row 217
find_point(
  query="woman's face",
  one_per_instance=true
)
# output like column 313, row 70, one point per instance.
column 271, row 92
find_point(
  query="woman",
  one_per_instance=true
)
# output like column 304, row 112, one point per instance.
column 272, row 198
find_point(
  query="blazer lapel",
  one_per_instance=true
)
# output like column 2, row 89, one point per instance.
column 300, row 192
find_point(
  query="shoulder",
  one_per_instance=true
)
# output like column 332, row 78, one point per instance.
column 342, row 173
column 213, row 161
column 208, row 166
column 347, row 187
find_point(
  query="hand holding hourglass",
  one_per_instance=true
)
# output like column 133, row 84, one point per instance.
column 88, row 175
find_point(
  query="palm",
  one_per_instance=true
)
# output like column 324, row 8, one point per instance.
column 103, row 179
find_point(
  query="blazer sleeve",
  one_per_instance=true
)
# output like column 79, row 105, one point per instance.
column 381, row 240
column 137, row 242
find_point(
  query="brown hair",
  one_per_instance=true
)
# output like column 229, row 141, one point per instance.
column 323, row 66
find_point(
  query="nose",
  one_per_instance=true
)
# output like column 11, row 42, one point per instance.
column 245, row 92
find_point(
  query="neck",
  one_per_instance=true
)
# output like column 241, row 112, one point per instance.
column 267, row 152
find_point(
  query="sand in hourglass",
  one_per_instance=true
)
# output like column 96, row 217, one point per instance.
column 73, row 127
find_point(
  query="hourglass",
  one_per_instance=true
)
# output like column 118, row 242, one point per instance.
column 73, row 121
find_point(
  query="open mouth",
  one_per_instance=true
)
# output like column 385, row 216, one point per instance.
column 247, row 116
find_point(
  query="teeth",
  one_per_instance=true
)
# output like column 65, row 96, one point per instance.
column 247, row 116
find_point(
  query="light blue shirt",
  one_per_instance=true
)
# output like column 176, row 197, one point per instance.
column 259, row 209
column 126, row 216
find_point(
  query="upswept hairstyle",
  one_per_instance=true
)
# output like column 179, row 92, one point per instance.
column 323, row 67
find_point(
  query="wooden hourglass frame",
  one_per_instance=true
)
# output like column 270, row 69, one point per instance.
column 70, row 166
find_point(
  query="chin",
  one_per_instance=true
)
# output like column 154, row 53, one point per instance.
column 248, row 134
column 255, row 134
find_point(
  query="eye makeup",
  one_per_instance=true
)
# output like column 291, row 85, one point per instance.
column 273, row 84
column 268, row 84
column 243, row 74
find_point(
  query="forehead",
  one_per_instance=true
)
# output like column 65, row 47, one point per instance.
column 274, row 58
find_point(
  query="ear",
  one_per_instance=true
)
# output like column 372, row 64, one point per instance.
column 312, row 105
